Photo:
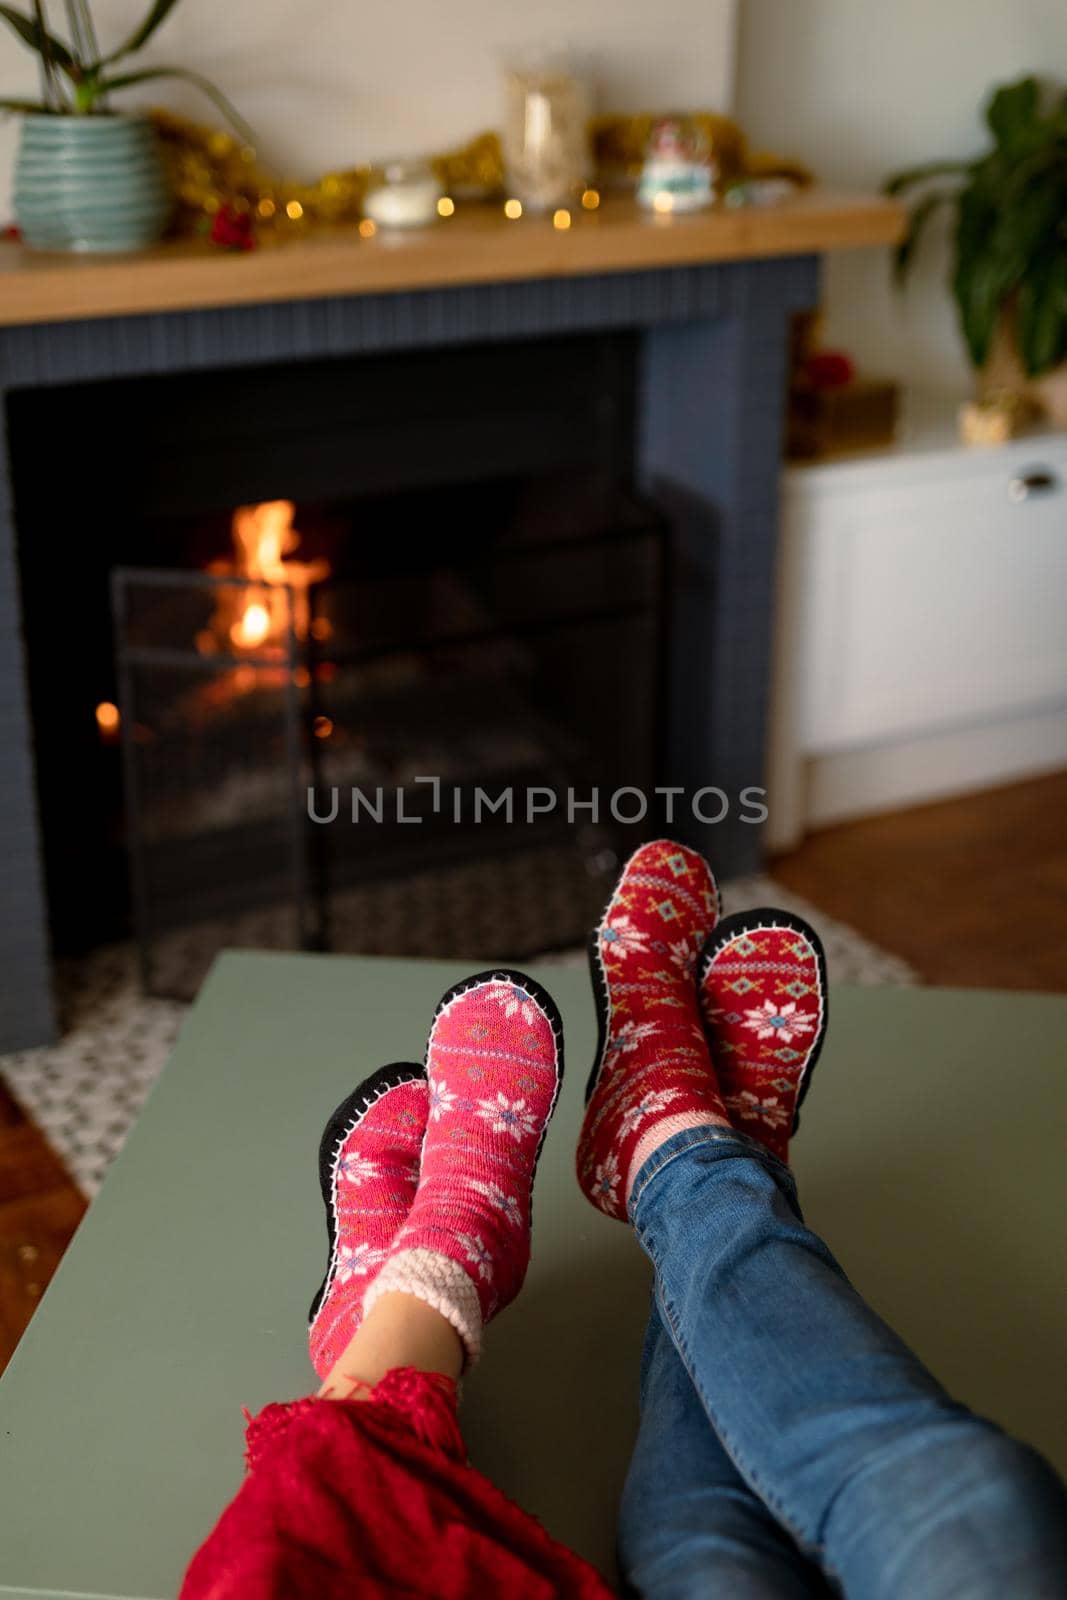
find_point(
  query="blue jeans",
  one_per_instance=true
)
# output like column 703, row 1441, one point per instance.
column 790, row 1444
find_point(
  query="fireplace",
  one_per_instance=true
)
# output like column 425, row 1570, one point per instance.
column 623, row 425
column 337, row 720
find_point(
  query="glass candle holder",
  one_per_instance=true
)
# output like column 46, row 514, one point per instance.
column 545, row 137
column 404, row 194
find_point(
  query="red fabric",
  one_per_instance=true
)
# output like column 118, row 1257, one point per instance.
column 764, row 1001
column 653, row 1065
column 346, row 1498
column 373, row 1175
column 493, row 1062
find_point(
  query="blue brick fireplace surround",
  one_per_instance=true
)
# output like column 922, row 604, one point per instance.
column 712, row 374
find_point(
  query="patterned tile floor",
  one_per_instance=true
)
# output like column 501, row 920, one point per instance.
column 86, row 1092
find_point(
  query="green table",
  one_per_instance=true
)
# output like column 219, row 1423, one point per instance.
column 931, row 1158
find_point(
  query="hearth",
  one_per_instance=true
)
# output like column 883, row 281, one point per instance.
column 308, row 705
column 644, row 361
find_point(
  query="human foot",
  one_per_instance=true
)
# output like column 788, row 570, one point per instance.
column 368, row 1171
column 763, row 995
column 494, row 1063
column 652, row 1076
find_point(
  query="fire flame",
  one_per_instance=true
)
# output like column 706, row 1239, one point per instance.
column 250, row 619
column 251, row 628
column 262, row 536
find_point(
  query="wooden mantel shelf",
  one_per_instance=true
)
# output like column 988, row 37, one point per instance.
column 477, row 245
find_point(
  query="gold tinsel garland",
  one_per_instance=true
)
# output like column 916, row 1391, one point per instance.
column 210, row 169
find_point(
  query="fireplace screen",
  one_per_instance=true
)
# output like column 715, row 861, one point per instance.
column 407, row 753
column 213, row 746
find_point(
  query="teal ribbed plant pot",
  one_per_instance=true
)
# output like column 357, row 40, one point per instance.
column 89, row 183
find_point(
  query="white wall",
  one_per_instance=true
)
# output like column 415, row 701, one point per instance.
column 859, row 88
column 329, row 83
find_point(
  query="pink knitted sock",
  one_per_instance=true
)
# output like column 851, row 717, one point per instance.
column 652, row 1076
column 763, row 992
column 494, row 1063
column 369, row 1170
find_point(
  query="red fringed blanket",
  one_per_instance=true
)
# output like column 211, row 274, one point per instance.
column 348, row 1498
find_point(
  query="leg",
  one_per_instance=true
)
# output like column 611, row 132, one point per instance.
column 398, row 1331
column 853, row 1445
column 365, row 1488
column 689, row 1525
column 878, row 1475
column 427, row 1185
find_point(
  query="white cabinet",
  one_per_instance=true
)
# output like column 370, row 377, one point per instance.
column 922, row 602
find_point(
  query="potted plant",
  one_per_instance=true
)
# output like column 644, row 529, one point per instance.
column 1009, row 274
column 87, row 178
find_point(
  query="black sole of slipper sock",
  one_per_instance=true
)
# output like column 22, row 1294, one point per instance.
column 345, row 1119
column 601, row 1004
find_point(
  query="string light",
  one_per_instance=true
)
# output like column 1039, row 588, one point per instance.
column 107, row 718
column 367, row 228
column 445, row 206
column 294, row 210
column 561, row 219
column 513, row 209
column 322, row 727
column 208, row 168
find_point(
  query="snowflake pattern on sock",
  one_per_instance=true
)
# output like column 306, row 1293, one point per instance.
column 494, row 1062
column 369, row 1171
column 652, row 1063
column 763, row 996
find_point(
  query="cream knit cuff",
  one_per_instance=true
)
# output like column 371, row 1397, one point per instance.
column 437, row 1281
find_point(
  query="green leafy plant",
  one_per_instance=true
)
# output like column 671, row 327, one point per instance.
column 77, row 77
column 1010, row 257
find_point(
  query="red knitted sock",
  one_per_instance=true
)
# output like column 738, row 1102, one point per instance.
column 368, row 1170
column 652, row 1076
column 763, row 994
column 494, row 1062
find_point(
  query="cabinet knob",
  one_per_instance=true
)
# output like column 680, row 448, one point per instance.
column 1038, row 480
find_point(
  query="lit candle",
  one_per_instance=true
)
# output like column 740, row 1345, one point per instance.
column 407, row 197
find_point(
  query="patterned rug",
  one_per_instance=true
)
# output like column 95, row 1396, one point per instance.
column 86, row 1092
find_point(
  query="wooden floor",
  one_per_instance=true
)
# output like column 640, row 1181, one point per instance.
column 39, row 1211
column 971, row 892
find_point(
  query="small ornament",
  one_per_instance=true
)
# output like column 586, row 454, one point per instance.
column 679, row 171
column 232, row 229
column 829, row 369
column 760, row 192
